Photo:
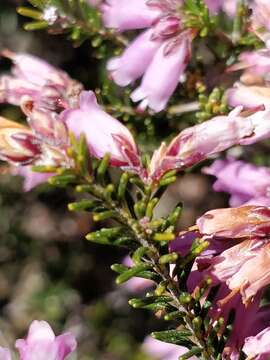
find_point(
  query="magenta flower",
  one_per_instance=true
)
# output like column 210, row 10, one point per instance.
column 246, row 183
column 258, row 347
column 104, row 134
column 42, row 344
column 52, row 88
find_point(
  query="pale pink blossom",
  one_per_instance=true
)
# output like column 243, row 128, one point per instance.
column 258, row 347
column 253, row 276
column 160, row 55
column 248, row 96
column 246, row 183
column 260, row 121
column 42, row 344
column 131, row 64
column 244, row 221
column 18, row 144
column 260, row 19
column 196, row 143
column 163, row 74
column 45, row 143
column 104, row 134
column 257, row 62
column 128, row 14
column 50, row 87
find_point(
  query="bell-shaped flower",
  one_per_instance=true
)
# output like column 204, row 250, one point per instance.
column 164, row 72
column 160, row 54
column 260, row 121
column 18, row 144
column 42, row 344
column 257, row 62
column 248, row 96
column 47, row 126
column 253, row 276
column 128, row 14
column 104, row 134
column 243, row 181
column 32, row 76
column 196, row 143
column 45, row 144
column 258, row 347
column 260, row 19
column 238, row 222
column 135, row 59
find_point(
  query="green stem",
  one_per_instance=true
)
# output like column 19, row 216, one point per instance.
column 143, row 239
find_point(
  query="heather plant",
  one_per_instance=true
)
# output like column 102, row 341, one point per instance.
column 180, row 83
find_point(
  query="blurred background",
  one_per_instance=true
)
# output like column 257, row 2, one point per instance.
column 47, row 269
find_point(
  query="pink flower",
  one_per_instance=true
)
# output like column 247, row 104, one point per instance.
column 260, row 19
column 258, row 347
column 249, row 96
column 253, row 276
column 131, row 65
column 5, row 354
column 260, row 121
column 200, row 141
column 128, row 14
column 163, row 351
column 246, row 183
column 45, row 144
column 238, row 222
column 50, row 87
column 163, row 74
column 42, row 344
column 18, row 144
column 257, row 62
column 160, row 54
column 104, row 134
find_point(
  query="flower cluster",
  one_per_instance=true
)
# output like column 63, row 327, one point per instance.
column 213, row 276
